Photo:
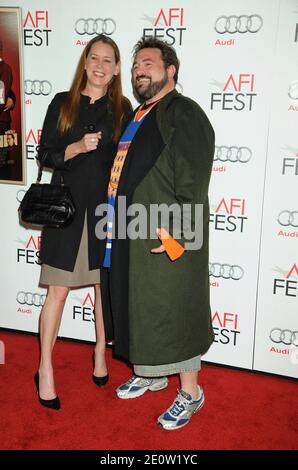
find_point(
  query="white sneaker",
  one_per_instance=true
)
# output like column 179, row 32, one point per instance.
column 181, row 411
column 137, row 386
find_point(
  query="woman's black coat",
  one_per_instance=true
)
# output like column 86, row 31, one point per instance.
column 87, row 176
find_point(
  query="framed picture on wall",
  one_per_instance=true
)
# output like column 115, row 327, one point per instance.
column 12, row 159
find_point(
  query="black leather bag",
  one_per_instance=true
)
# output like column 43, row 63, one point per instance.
column 50, row 205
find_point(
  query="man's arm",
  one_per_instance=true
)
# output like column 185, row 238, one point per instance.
column 192, row 150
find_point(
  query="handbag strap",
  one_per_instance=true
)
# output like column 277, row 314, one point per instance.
column 41, row 166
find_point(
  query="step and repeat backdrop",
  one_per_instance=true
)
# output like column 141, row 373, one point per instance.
column 239, row 62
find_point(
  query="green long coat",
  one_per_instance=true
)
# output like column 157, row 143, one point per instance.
column 169, row 318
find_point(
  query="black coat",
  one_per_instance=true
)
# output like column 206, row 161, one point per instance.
column 87, row 176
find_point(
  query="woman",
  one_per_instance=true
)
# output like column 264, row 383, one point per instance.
column 78, row 140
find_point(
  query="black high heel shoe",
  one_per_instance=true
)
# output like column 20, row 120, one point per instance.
column 54, row 403
column 99, row 381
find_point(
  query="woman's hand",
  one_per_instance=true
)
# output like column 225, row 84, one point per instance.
column 87, row 143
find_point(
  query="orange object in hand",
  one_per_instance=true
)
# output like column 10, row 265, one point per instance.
column 173, row 248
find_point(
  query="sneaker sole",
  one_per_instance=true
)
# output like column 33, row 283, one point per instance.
column 173, row 428
column 139, row 393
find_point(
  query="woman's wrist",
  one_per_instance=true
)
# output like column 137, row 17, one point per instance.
column 71, row 151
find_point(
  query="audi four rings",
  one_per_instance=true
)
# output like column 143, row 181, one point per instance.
column 38, row 87
column 287, row 337
column 95, row 26
column 232, row 154
column 226, row 271
column 31, row 298
column 288, row 218
column 20, row 195
column 238, row 24
column 293, row 90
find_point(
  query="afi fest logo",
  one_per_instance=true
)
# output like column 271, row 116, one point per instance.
column 290, row 163
column 225, row 327
column 286, row 285
column 36, row 28
column 229, row 215
column 83, row 310
column 237, row 93
column 29, row 253
column 288, row 220
column 32, row 141
column 168, row 26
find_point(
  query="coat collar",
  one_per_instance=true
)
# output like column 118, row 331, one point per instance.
column 148, row 143
column 166, row 100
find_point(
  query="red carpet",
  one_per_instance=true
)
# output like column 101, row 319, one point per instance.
column 243, row 410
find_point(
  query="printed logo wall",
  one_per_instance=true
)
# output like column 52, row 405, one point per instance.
column 228, row 60
column 276, row 345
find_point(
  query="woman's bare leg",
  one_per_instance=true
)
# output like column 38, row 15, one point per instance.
column 49, row 324
column 100, row 367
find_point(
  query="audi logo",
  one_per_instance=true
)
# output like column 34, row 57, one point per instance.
column 20, row 195
column 238, row 24
column 287, row 337
column 95, row 26
column 232, row 154
column 288, row 218
column 293, row 90
column 226, row 271
column 38, row 87
column 30, row 298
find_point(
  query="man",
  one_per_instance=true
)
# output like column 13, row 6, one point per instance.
column 10, row 139
column 161, row 312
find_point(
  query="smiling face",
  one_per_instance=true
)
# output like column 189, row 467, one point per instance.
column 101, row 66
column 150, row 78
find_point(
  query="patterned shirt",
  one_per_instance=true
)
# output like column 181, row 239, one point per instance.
column 123, row 146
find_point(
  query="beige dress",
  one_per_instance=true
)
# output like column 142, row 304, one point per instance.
column 80, row 276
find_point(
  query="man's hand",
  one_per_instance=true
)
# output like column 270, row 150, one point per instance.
column 9, row 104
column 173, row 249
column 161, row 248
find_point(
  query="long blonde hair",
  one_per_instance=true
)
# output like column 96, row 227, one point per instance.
column 116, row 101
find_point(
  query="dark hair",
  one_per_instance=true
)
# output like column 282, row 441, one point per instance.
column 168, row 53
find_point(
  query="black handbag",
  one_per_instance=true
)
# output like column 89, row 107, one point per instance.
column 50, row 205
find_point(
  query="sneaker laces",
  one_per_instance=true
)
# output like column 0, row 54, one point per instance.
column 135, row 378
column 179, row 404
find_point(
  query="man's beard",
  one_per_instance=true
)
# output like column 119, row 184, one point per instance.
column 151, row 90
